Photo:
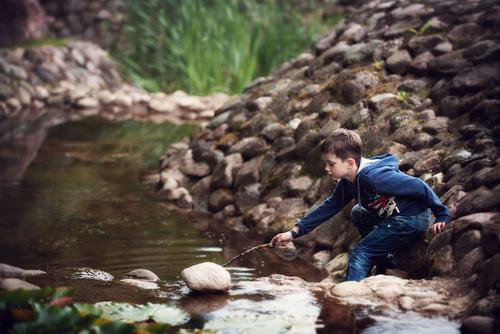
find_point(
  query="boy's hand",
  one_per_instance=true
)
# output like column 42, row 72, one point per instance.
column 282, row 239
column 436, row 227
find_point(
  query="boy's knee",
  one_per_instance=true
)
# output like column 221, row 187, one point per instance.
column 358, row 259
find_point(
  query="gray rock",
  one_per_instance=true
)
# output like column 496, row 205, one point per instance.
column 18, row 72
column 207, row 277
column 140, row 283
column 353, row 92
column 387, row 49
column 439, row 90
column 474, row 79
column 249, row 173
column 424, row 43
column 465, row 33
column 248, row 197
column 449, row 106
column 478, row 324
column 382, row 101
column 448, row 64
column 490, row 239
column 466, row 243
column 335, row 53
column 298, row 187
column 325, row 42
column 398, row 63
column 443, row 48
column 402, row 28
column 5, row 91
column 493, row 177
column 254, row 215
column 422, row 140
column 196, row 169
column 489, row 276
column 442, row 263
column 487, row 112
column 249, row 147
column 470, row 263
column 360, row 52
column 225, row 171
column 480, row 200
column 413, row 10
column 412, row 86
column 307, row 143
column 219, row 198
column 272, row 131
column 12, row 284
column 436, row 125
column 11, row 271
column 143, row 274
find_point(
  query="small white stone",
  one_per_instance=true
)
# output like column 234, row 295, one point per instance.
column 351, row 289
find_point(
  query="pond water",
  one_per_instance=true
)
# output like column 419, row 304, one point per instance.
column 82, row 209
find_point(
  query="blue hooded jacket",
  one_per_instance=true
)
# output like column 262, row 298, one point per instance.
column 380, row 177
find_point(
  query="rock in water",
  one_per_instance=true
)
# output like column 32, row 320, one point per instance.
column 207, row 277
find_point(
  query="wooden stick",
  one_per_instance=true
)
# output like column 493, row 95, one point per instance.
column 269, row 245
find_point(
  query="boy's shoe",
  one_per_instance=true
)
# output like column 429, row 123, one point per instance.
column 385, row 263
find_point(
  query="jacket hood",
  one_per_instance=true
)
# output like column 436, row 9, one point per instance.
column 383, row 162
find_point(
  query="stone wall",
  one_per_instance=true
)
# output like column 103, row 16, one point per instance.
column 415, row 78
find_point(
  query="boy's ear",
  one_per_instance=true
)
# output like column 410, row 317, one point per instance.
column 351, row 162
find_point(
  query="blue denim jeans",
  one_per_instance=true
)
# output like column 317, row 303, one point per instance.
column 381, row 237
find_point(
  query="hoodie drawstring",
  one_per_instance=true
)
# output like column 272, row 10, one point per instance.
column 359, row 197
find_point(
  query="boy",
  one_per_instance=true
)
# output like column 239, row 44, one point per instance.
column 392, row 207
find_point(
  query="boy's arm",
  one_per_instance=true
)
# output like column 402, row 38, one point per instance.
column 316, row 217
column 329, row 208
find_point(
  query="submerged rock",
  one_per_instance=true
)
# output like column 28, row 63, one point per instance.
column 143, row 274
column 11, row 284
column 207, row 277
column 10, row 271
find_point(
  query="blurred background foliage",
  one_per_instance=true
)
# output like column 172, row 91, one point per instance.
column 208, row 46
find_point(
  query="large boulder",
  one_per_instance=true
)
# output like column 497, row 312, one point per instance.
column 207, row 277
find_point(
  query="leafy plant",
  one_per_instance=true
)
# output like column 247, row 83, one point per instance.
column 51, row 310
column 402, row 95
column 422, row 29
column 379, row 65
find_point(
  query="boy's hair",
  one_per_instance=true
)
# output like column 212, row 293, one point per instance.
column 344, row 144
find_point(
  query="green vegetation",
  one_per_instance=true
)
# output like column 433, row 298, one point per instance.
column 207, row 46
column 422, row 29
column 403, row 95
column 33, row 43
column 51, row 310
column 379, row 65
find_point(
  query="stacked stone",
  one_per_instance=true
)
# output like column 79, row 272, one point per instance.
column 415, row 78
column 80, row 80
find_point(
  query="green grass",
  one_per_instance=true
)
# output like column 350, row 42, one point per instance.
column 33, row 43
column 207, row 46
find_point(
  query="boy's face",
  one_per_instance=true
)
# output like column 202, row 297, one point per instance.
column 336, row 168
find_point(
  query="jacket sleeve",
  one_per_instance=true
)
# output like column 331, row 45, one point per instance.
column 399, row 184
column 329, row 208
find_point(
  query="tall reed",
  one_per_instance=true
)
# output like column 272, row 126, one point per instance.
column 207, row 46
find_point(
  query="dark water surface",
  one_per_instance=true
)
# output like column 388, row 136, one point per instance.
column 83, row 203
